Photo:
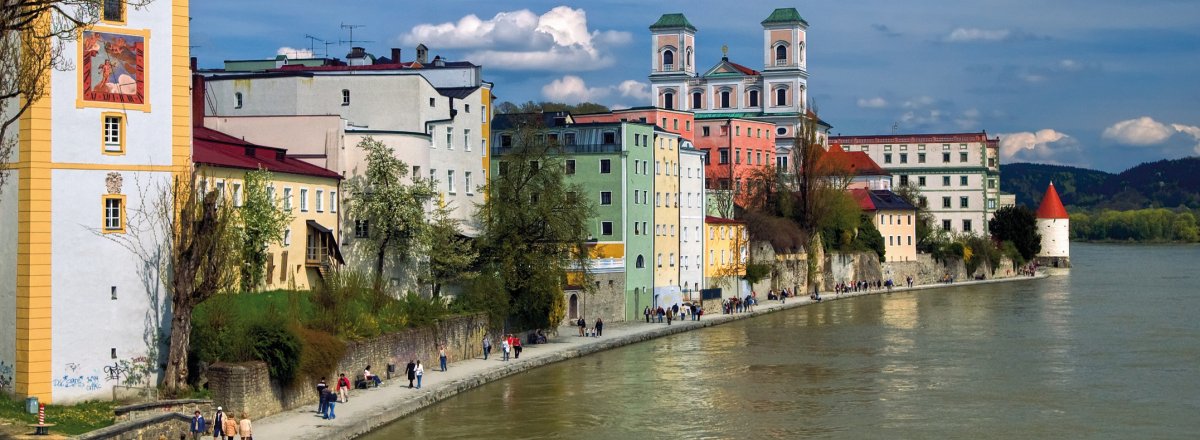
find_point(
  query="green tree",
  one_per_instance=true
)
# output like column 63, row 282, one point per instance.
column 392, row 211
column 451, row 254
column 534, row 230
column 924, row 226
column 1017, row 224
column 261, row 223
column 507, row 107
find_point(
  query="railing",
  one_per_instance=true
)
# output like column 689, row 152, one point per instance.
column 781, row 62
column 668, row 68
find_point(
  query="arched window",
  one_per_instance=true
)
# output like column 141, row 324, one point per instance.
column 668, row 100
column 754, row 98
column 641, row 262
column 668, row 59
column 697, row 99
column 689, row 57
column 781, row 96
column 781, row 53
column 724, row 99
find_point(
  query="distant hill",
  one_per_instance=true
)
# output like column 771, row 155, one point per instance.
column 1166, row 184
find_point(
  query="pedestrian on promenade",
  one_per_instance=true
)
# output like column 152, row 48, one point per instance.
column 599, row 327
column 505, row 347
column 331, row 401
column 219, row 424
column 516, row 347
column 410, row 370
column 321, row 386
column 442, row 357
column 582, row 325
column 245, row 430
column 669, row 316
column 198, row 427
column 646, row 312
column 343, row 388
column 487, row 347
column 229, row 427
column 420, row 373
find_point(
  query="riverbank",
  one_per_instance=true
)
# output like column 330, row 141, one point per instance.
column 372, row 408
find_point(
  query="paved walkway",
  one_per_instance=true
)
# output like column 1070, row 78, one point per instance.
column 372, row 408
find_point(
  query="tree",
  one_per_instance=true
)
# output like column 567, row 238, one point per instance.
column 261, row 222
column 924, row 226
column 1017, row 224
column 33, row 34
column 204, row 260
column 451, row 255
column 507, row 107
column 535, row 230
column 815, row 182
column 392, row 211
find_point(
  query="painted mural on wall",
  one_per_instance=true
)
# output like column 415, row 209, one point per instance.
column 112, row 68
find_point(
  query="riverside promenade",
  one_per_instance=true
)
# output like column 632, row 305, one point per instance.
column 372, row 408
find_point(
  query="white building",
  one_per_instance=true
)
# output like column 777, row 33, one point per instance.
column 958, row 174
column 1054, row 224
column 83, row 309
column 691, row 219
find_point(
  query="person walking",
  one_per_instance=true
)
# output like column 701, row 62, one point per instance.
column 442, row 357
column 516, row 347
column 506, row 347
column 599, row 327
column 229, row 427
column 198, row 427
column 582, row 326
column 343, row 388
column 331, row 401
column 244, row 429
column 646, row 312
column 321, row 386
column 487, row 347
column 420, row 370
column 410, row 370
column 219, row 424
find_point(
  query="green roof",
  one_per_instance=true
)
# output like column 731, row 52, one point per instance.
column 668, row 21
column 784, row 16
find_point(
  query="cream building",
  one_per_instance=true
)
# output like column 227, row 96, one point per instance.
column 667, row 233
column 81, row 298
column 895, row 219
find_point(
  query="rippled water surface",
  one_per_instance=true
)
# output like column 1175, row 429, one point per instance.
column 1110, row 350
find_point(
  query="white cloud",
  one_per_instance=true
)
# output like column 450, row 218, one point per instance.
column 294, row 53
column 1141, row 131
column 1042, row 144
column 1189, row 130
column 635, row 89
column 876, row 102
column 558, row 40
column 572, row 90
column 918, row 102
column 963, row 35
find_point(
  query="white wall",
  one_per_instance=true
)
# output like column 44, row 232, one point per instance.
column 8, row 282
column 1056, row 237
column 691, row 213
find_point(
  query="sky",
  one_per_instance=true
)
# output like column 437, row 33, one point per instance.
column 1102, row 84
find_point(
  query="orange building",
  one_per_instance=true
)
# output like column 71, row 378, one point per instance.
column 736, row 148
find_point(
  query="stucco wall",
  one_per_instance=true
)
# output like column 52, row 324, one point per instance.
column 8, row 281
column 246, row 386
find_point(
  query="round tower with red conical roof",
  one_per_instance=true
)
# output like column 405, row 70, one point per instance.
column 1055, row 226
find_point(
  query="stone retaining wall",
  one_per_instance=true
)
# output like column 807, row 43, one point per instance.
column 144, row 410
column 169, row 424
column 247, row 386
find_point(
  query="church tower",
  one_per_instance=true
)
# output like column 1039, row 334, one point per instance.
column 784, row 61
column 672, row 63
column 1055, row 226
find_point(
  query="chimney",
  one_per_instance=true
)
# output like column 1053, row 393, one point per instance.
column 197, row 100
column 422, row 54
column 357, row 52
column 395, row 55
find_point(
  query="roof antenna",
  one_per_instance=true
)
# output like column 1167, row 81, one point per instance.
column 312, row 43
column 895, row 127
column 352, row 27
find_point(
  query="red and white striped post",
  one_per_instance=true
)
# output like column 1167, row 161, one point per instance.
column 41, row 414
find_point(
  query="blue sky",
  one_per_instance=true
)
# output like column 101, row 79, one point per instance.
column 1102, row 84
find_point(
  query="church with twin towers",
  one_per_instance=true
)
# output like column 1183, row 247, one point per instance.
column 777, row 92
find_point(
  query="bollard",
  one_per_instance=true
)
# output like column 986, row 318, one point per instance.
column 41, row 414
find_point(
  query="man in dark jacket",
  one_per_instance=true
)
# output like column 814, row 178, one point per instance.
column 411, row 371
column 198, row 427
column 219, row 423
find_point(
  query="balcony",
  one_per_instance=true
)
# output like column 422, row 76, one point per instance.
column 668, row 68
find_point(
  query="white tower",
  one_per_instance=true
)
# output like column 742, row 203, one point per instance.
column 1055, row 226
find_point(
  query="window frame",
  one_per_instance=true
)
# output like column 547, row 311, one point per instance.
column 345, row 97
column 124, row 13
column 606, row 228
column 121, row 124
column 120, row 199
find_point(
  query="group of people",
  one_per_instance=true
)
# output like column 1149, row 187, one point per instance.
column 1030, row 269
column 738, row 305
column 223, row 426
column 863, row 285
column 676, row 311
column 782, row 295
column 595, row 332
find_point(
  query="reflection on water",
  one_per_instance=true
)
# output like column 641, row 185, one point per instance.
column 1107, row 351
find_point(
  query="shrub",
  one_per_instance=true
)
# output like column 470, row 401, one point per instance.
column 278, row 346
column 319, row 354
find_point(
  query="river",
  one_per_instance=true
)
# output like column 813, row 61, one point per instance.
column 1109, row 350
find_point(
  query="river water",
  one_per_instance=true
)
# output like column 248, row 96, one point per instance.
column 1109, row 350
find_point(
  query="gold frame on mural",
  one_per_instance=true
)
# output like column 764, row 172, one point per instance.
column 80, row 102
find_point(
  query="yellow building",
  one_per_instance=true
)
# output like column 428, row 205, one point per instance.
column 727, row 245
column 310, row 193
column 895, row 219
column 667, row 232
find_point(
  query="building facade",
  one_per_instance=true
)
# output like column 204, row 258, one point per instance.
column 958, row 174
column 691, row 220
column 667, row 228
column 895, row 219
column 728, row 246
column 81, row 297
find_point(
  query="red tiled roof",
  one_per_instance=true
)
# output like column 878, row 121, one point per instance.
column 863, row 197
column 1051, row 206
column 743, row 69
column 713, row 219
column 857, row 161
column 211, row 147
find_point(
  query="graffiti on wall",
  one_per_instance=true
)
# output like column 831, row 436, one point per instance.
column 6, row 376
column 130, row 372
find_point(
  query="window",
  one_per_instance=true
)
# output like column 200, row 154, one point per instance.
column 320, row 198
column 754, row 98
column 668, row 60
column 991, row 183
column 605, row 197
column 962, row 202
column 362, row 229
column 270, row 195
column 610, row 137
column 657, row 167
column 570, row 166
column 605, row 166
column 945, row 225
column 659, row 259
column 945, row 202
column 704, row 131
column 220, row 189
column 287, row 199
column 641, row 262
column 606, row 228
column 903, row 180
column 668, row 100
column 903, row 157
column 450, row 182
column 303, row 199
column 781, row 131
column 113, row 133
column 237, row 100
column 501, row 168
column 467, row 139
column 687, row 125
column 887, row 148
column 674, row 124
column 114, row 214
column 945, row 180
column 966, row 226
column 114, row 11
column 697, row 98
column 433, row 177
column 725, row 99
column 345, row 97
column 287, row 237
column 920, row 157
column 962, row 180
column 962, row 157
column 505, row 141
column 657, row 199
column 945, row 157
column 724, row 156
column 237, row 195
column 780, row 53
column 991, row 204
column 920, row 180
column 887, row 158
column 449, row 138
column 671, row 259
column 432, row 102
column 467, row 108
column 991, row 162
column 781, row 96
column 333, row 201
